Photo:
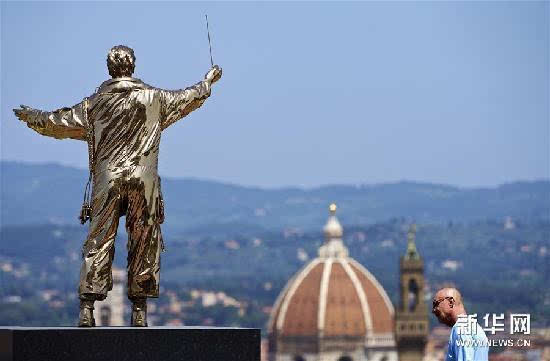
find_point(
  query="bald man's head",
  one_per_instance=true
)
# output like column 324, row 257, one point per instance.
column 450, row 292
column 447, row 305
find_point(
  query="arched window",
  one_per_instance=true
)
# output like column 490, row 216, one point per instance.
column 413, row 295
column 384, row 358
column 299, row 358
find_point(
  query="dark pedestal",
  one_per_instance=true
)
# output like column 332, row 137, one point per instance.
column 131, row 344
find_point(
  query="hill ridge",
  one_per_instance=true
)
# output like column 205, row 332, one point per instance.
column 52, row 193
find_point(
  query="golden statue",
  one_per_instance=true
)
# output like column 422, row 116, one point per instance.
column 122, row 123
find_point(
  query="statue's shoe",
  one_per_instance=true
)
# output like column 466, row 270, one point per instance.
column 139, row 318
column 86, row 317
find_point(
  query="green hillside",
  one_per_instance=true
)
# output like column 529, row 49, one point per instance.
column 497, row 269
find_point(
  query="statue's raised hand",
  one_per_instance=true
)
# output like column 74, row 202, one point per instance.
column 214, row 74
column 24, row 113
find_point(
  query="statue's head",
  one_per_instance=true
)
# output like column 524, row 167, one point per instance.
column 121, row 61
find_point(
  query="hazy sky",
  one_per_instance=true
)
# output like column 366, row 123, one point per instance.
column 312, row 93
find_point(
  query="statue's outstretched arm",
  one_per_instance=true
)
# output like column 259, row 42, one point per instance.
column 61, row 123
column 176, row 104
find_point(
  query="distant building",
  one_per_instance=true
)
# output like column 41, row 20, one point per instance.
column 110, row 312
column 333, row 309
column 509, row 223
column 411, row 320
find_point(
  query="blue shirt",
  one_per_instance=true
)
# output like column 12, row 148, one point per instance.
column 472, row 346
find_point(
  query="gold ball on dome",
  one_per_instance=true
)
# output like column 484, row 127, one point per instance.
column 332, row 208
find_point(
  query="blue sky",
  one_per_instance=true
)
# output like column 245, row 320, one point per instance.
column 312, row 93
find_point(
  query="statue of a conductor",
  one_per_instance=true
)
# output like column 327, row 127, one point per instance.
column 122, row 123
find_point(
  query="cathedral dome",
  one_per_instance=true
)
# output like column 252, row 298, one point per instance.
column 333, row 296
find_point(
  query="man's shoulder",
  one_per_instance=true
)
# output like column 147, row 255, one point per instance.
column 480, row 333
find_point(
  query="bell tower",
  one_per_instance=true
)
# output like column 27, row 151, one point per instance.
column 411, row 319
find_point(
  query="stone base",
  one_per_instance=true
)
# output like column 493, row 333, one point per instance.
column 129, row 344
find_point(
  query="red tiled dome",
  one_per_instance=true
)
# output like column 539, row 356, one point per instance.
column 332, row 296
